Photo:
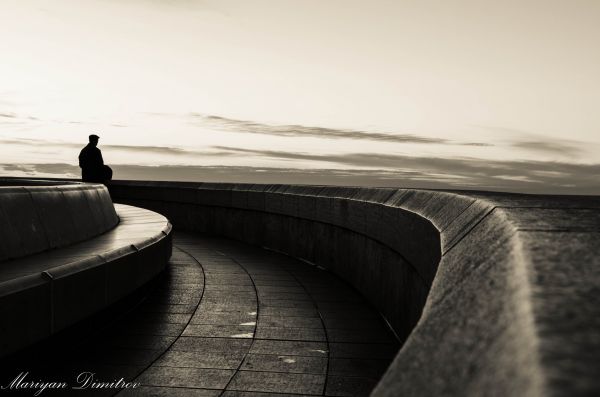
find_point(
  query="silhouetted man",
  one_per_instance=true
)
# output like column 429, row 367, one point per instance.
column 92, row 164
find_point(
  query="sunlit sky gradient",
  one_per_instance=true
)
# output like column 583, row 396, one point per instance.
column 461, row 93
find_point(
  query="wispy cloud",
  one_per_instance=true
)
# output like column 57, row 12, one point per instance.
column 538, row 143
column 368, row 169
column 166, row 150
column 148, row 149
column 14, row 116
column 59, row 169
column 402, row 161
column 550, row 147
column 46, row 147
column 526, row 177
column 295, row 130
column 544, row 175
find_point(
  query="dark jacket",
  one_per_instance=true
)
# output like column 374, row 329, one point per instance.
column 92, row 164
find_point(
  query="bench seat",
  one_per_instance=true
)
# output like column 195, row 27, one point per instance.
column 44, row 293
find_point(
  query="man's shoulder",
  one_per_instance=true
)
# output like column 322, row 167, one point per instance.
column 88, row 148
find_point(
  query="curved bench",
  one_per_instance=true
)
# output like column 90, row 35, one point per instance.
column 84, row 261
column 37, row 218
column 491, row 293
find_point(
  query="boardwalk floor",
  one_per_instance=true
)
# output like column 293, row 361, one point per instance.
column 229, row 319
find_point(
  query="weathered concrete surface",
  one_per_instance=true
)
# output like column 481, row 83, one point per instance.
column 226, row 317
column 39, row 218
column 44, row 293
column 494, row 294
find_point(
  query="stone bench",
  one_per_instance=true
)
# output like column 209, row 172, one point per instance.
column 68, row 253
column 39, row 218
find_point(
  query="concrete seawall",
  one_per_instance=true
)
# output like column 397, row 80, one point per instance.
column 491, row 294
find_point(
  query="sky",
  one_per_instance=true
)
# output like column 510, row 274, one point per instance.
column 461, row 94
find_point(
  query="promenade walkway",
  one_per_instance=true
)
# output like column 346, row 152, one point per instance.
column 230, row 319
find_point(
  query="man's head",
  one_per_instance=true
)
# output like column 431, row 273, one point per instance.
column 94, row 139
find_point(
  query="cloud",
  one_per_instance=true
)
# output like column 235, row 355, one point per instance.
column 22, row 118
column 42, row 170
column 550, row 147
column 294, row 130
column 428, row 173
column 16, row 167
column 362, row 169
column 539, row 143
column 526, row 176
column 165, row 150
column 14, row 116
column 148, row 149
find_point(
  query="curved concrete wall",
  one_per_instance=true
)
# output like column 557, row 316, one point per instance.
column 493, row 294
column 36, row 218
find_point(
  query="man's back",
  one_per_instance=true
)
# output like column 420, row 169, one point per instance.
column 91, row 163
column 90, row 157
